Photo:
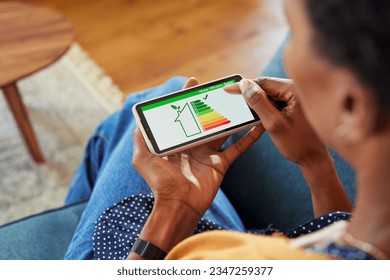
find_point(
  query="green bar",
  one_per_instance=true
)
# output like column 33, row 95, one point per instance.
column 205, row 112
column 199, row 107
column 200, row 110
column 187, row 95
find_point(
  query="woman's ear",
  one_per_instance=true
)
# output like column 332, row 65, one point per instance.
column 358, row 112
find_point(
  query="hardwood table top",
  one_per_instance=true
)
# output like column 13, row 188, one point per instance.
column 31, row 38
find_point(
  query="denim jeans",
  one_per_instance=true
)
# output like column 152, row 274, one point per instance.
column 259, row 189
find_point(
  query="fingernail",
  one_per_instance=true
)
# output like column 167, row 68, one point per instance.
column 248, row 88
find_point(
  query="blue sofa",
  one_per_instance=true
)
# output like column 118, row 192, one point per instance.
column 44, row 236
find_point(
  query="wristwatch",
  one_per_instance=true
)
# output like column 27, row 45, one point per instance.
column 148, row 250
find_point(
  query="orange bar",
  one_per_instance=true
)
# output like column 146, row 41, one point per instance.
column 208, row 127
column 215, row 121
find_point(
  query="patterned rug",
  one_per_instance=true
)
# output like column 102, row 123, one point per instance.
column 65, row 102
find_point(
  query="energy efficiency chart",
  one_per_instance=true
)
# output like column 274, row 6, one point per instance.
column 201, row 114
column 207, row 116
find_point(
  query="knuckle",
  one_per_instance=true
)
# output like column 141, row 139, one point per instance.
column 264, row 80
column 240, row 147
column 256, row 99
column 134, row 162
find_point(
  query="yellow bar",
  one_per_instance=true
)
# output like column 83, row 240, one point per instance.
column 210, row 116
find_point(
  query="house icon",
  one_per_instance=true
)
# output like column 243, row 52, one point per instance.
column 188, row 122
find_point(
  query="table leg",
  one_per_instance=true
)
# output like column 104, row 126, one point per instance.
column 19, row 111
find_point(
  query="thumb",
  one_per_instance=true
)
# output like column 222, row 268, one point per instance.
column 279, row 89
column 257, row 99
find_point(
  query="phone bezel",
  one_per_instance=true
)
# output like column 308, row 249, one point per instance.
column 148, row 135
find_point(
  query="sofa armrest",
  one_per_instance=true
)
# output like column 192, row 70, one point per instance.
column 44, row 236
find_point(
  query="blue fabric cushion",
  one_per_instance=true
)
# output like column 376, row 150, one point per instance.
column 44, row 236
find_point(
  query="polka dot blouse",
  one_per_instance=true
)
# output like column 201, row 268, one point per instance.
column 119, row 226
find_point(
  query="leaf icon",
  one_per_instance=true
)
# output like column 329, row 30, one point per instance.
column 174, row 107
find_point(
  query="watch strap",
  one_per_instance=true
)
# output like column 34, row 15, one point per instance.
column 148, row 250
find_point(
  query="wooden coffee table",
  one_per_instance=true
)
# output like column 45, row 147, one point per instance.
column 31, row 38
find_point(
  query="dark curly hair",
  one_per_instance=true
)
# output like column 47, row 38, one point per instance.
column 356, row 34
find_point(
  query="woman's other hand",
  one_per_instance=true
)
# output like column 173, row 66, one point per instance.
column 296, row 140
column 288, row 128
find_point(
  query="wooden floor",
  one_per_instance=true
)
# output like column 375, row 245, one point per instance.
column 141, row 43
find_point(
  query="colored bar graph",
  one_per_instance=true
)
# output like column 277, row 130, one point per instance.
column 207, row 116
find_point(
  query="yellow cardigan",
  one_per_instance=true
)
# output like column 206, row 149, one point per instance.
column 229, row 245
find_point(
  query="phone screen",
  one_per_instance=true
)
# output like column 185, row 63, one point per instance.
column 197, row 113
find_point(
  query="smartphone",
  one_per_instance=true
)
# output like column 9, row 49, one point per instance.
column 193, row 116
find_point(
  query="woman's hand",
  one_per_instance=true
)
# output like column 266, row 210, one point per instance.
column 191, row 178
column 184, row 185
column 288, row 128
column 296, row 140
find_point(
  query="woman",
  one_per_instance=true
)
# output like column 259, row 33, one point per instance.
column 337, row 59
